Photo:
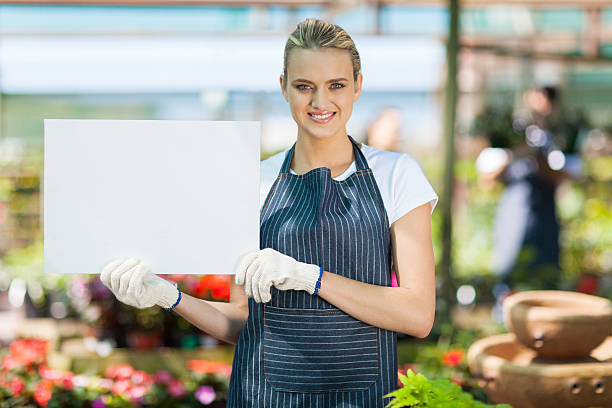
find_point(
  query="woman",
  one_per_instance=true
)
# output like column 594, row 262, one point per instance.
column 313, row 314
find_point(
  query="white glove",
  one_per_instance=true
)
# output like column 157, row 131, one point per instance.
column 132, row 282
column 259, row 270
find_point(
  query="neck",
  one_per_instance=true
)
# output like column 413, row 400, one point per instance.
column 335, row 153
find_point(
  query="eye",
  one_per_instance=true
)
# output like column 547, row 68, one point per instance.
column 337, row 87
column 302, row 87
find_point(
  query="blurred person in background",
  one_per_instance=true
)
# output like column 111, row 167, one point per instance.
column 315, row 306
column 532, row 151
column 384, row 131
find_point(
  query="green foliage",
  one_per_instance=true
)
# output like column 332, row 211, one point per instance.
column 419, row 391
column 495, row 124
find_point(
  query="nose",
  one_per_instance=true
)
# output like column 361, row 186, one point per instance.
column 320, row 99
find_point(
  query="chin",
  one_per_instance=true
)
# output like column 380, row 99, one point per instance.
column 321, row 134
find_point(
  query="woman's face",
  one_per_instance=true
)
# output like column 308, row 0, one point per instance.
column 321, row 91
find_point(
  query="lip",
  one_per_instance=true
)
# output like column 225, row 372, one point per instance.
column 333, row 114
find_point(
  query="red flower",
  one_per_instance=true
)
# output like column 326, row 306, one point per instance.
column 176, row 388
column 17, row 386
column 119, row 372
column 588, row 283
column 66, row 380
column 29, row 351
column 218, row 285
column 452, row 357
column 43, row 394
column 457, row 381
column 209, row 367
column 177, row 277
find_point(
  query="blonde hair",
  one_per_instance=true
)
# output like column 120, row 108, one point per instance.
column 312, row 34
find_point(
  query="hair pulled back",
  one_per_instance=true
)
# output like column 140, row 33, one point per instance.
column 313, row 34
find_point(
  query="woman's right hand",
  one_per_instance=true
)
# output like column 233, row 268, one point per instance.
column 132, row 282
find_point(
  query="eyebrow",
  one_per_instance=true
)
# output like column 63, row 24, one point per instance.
column 310, row 82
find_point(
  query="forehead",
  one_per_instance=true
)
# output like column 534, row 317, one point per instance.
column 319, row 64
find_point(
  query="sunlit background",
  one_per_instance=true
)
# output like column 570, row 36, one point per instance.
column 222, row 62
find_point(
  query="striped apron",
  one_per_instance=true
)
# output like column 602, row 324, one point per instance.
column 299, row 350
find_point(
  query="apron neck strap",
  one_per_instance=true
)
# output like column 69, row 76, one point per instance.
column 360, row 160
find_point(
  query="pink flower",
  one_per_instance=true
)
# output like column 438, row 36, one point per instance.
column 205, row 394
column 80, row 381
column 137, row 392
column 141, row 377
column 10, row 363
column 176, row 388
column 120, row 386
column 119, row 372
column 49, row 373
column 162, row 377
column 106, row 383
column 98, row 403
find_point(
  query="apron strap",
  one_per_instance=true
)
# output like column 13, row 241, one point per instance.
column 360, row 160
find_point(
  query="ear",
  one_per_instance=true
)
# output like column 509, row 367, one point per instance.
column 283, row 90
column 358, row 84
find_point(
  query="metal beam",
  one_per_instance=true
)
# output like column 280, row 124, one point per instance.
column 534, row 55
column 488, row 3
column 586, row 4
column 144, row 3
column 450, row 114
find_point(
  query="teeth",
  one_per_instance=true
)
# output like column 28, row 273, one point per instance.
column 322, row 116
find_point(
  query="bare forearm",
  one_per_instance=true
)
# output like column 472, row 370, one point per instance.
column 221, row 320
column 392, row 308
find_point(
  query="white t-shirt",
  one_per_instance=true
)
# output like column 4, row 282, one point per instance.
column 401, row 182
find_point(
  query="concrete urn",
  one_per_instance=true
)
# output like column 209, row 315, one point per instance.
column 558, row 355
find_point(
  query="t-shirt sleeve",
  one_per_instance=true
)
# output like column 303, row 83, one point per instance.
column 410, row 187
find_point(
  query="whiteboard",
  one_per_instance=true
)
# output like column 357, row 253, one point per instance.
column 183, row 196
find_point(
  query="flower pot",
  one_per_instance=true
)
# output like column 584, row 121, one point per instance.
column 144, row 340
column 558, row 324
column 513, row 374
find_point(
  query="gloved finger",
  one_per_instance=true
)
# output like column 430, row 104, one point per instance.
column 248, row 278
column 256, row 281
column 243, row 265
column 106, row 271
column 264, row 290
column 136, row 286
column 126, row 280
column 116, row 273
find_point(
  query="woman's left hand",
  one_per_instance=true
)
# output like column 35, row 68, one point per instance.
column 259, row 270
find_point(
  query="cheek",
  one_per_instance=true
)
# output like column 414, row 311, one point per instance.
column 297, row 102
column 347, row 102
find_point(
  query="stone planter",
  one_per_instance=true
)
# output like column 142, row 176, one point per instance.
column 513, row 374
column 558, row 324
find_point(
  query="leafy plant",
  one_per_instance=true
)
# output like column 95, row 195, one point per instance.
column 419, row 391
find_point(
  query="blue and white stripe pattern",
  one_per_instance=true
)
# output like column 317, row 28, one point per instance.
column 299, row 350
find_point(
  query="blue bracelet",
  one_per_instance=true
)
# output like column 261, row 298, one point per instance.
column 318, row 285
column 177, row 300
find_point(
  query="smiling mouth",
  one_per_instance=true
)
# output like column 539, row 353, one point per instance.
column 322, row 118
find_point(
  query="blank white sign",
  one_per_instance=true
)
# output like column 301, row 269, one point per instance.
column 183, row 196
